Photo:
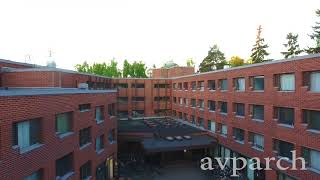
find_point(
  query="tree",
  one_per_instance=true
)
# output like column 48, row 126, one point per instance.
column 126, row 69
column 138, row 70
column 190, row 62
column 259, row 49
column 236, row 61
column 169, row 64
column 315, row 36
column 110, row 70
column 292, row 46
column 214, row 60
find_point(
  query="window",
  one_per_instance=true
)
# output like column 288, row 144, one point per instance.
column 161, row 86
column 111, row 136
column 138, row 113
column 174, row 85
column 312, row 119
column 238, row 135
column 64, row 166
column 63, row 123
column 180, row 86
column 99, row 114
column 312, row 158
column 211, row 85
column 180, row 115
column 201, row 103
column 223, row 84
column 180, row 101
column 223, row 107
column 186, row 101
column 285, row 82
column 85, row 136
column 161, row 98
column 112, row 109
column 211, row 105
column 201, row 85
column 99, row 143
column 257, row 112
column 34, row 176
column 84, row 107
column 240, row 84
column 224, row 130
column 284, row 115
column 193, row 119
column 239, row 109
column 212, row 126
column 185, row 86
column 256, row 140
column 193, row 85
column 122, row 85
column 26, row 134
column 101, row 172
column 137, row 85
column 193, row 103
column 85, row 171
column 283, row 148
column 282, row 176
column 258, row 83
column 138, row 99
column 200, row 122
column 122, row 100
column 315, row 82
column 175, row 100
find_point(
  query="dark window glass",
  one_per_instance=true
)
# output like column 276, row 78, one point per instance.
column 137, row 85
column 84, row 107
column 138, row 99
column 240, row 109
column 258, row 83
column 85, row 171
column 258, row 112
column 286, row 116
column 224, row 107
column 64, row 165
column 312, row 118
column 223, row 84
column 84, row 136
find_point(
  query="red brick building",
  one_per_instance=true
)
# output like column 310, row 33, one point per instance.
column 261, row 110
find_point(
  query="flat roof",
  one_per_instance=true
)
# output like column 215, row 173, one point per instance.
column 50, row 91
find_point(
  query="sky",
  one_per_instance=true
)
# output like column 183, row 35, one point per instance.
column 153, row 31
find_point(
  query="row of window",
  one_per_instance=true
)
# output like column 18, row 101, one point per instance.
column 284, row 115
column 27, row 134
column 141, row 99
column 64, row 169
column 282, row 82
column 140, row 85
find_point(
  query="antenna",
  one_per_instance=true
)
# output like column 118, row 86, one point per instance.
column 27, row 58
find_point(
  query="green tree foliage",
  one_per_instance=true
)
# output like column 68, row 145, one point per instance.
column 292, row 46
column 236, row 61
column 214, row 60
column 259, row 49
column 138, row 70
column 315, row 36
column 127, row 71
column 190, row 62
column 103, row 69
column 169, row 64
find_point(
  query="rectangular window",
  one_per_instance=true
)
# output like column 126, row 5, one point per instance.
column 287, row 82
column 85, row 171
column 64, row 166
column 186, row 102
column 257, row 112
column 137, row 85
column 123, row 100
column 239, row 109
column 63, row 123
column 211, row 105
column 193, row 103
column 256, row 140
column 138, row 99
column 99, row 143
column 240, row 84
column 284, row 115
column 201, row 103
column 312, row 158
column 238, row 134
column 185, row 85
column 282, row 176
column 161, row 98
column 193, row 119
column 175, row 100
column 201, row 85
column 35, row 176
column 27, row 133
column 161, row 86
column 283, row 148
column 111, row 136
column 122, row 85
column 224, row 130
column 223, row 84
column 99, row 116
column 312, row 119
column 212, row 126
column 200, row 122
column 180, row 101
column 315, row 82
column 84, row 107
column 212, row 85
column 84, row 136
column 223, row 107
column 193, row 85
column 112, row 109
column 258, row 83
column 174, row 85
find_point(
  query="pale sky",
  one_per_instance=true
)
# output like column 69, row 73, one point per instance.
column 148, row 30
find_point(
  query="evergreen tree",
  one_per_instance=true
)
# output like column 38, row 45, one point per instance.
column 214, row 60
column 292, row 46
column 259, row 49
column 315, row 36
